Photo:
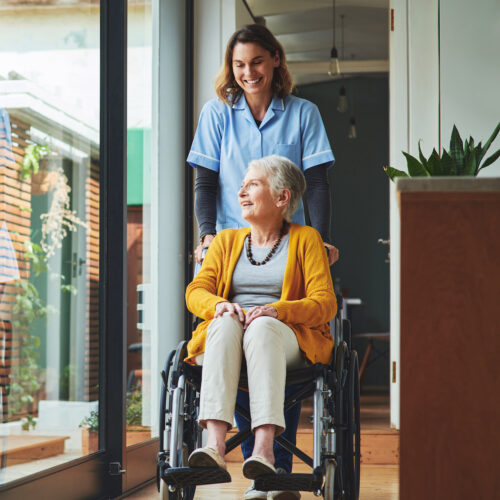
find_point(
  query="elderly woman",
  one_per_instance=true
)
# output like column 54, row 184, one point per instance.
column 265, row 293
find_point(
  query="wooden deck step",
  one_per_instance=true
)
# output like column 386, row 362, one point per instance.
column 379, row 443
column 26, row 448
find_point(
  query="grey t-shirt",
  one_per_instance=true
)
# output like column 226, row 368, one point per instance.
column 259, row 285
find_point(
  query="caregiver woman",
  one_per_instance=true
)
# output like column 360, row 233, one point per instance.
column 255, row 115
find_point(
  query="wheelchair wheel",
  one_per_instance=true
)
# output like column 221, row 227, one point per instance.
column 190, row 434
column 163, row 397
column 351, row 452
column 189, row 431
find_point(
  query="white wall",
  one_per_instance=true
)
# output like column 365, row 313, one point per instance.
column 470, row 71
column 214, row 22
column 414, row 116
column 167, row 250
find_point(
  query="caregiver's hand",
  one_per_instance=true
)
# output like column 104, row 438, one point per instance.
column 198, row 253
column 257, row 311
column 231, row 308
column 333, row 253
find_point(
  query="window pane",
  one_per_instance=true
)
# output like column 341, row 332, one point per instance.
column 49, row 233
column 140, row 416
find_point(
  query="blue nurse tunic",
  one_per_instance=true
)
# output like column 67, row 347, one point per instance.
column 228, row 138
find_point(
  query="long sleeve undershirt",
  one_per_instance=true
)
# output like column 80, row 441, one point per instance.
column 317, row 199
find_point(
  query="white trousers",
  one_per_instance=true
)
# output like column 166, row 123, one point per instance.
column 269, row 347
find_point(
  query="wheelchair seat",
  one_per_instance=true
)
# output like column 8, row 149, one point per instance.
column 293, row 377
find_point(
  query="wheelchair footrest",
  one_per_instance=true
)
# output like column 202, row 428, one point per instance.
column 190, row 476
column 293, row 482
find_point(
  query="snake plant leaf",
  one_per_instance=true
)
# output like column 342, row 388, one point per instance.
column 470, row 163
column 471, row 144
column 479, row 154
column 488, row 144
column 457, row 150
column 445, row 164
column 415, row 168
column 422, row 157
column 494, row 157
column 394, row 172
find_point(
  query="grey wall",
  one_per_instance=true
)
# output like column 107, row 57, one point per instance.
column 360, row 204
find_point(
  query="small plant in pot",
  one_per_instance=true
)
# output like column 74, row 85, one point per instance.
column 462, row 159
column 90, row 436
column 136, row 432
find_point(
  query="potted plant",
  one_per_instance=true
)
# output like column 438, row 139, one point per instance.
column 90, row 436
column 462, row 159
column 135, row 431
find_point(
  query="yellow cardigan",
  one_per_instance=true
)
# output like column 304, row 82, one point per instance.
column 307, row 300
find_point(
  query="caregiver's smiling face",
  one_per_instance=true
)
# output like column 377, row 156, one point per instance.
column 253, row 68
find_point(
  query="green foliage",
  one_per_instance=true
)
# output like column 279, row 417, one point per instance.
column 31, row 161
column 28, row 307
column 91, row 421
column 30, row 422
column 134, row 407
column 37, row 256
column 26, row 376
column 133, row 414
column 461, row 159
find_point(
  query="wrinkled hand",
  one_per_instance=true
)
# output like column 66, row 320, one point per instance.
column 257, row 311
column 333, row 253
column 230, row 307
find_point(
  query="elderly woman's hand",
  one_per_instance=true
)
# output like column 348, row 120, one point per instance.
column 257, row 311
column 231, row 308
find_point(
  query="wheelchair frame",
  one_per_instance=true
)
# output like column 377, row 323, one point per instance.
column 336, row 425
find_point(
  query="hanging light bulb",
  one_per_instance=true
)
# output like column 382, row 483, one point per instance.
column 342, row 105
column 353, row 133
column 334, row 68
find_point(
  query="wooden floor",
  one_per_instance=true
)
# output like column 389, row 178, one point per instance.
column 378, row 482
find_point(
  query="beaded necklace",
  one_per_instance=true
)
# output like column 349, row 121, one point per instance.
column 271, row 252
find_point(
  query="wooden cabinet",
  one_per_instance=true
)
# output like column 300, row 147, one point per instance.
column 450, row 340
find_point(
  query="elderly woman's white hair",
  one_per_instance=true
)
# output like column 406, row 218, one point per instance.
column 283, row 174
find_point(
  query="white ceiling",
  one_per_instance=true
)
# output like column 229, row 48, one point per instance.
column 305, row 29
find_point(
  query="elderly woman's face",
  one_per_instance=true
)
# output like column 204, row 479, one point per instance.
column 256, row 199
column 253, row 68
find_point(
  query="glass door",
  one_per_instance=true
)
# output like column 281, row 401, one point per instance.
column 55, row 276
column 50, row 233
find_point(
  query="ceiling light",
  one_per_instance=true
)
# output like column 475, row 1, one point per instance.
column 334, row 67
column 353, row 133
column 342, row 104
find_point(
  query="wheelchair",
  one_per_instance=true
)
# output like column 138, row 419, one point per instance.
column 335, row 462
